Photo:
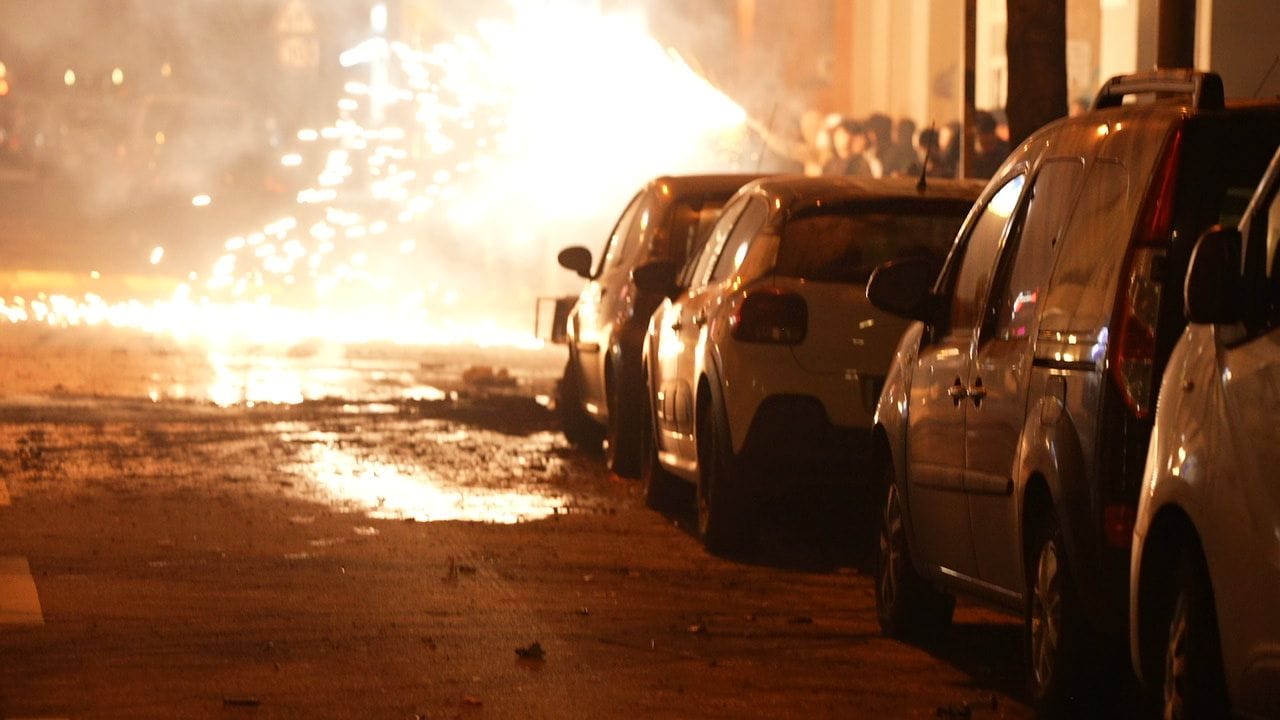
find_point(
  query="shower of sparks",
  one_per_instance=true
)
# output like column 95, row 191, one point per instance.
column 442, row 187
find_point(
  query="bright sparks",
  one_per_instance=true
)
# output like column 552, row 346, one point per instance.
column 445, row 183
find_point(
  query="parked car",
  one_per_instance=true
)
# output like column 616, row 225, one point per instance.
column 1013, row 425
column 1205, row 589
column 599, row 395
column 765, row 362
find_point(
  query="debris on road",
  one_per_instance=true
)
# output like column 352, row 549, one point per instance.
column 532, row 652
column 486, row 376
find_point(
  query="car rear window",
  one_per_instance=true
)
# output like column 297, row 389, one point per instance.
column 689, row 223
column 845, row 244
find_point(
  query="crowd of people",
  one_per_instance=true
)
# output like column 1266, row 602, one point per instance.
column 879, row 146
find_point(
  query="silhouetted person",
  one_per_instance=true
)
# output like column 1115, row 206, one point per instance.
column 989, row 149
column 900, row 154
column 848, row 142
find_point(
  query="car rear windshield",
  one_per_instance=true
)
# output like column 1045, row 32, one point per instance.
column 688, row 224
column 845, row 244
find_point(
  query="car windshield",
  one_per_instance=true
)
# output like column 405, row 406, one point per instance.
column 848, row 244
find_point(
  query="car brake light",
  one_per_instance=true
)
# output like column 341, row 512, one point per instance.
column 1117, row 523
column 771, row 316
column 1138, row 298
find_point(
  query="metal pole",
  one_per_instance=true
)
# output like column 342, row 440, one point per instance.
column 970, row 55
column 1176, row 36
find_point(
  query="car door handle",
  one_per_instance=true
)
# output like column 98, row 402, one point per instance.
column 957, row 392
column 677, row 326
column 977, row 392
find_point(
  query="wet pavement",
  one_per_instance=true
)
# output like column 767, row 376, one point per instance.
column 377, row 532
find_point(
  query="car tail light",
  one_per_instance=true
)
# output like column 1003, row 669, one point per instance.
column 1133, row 348
column 1117, row 523
column 771, row 316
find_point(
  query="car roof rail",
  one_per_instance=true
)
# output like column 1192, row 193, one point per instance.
column 1203, row 88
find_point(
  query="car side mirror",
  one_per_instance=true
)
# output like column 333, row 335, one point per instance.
column 904, row 288
column 1213, row 279
column 657, row 278
column 577, row 259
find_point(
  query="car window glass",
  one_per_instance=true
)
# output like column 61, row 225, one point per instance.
column 978, row 266
column 847, row 244
column 640, row 229
column 735, row 247
column 1048, row 205
column 1093, row 245
column 1262, row 307
column 688, row 223
column 696, row 272
column 613, row 248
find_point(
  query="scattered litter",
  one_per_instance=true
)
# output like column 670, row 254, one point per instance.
column 365, row 530
column 157, row 564
column 961, row 711
column 533, row 652
column 297, row 556
column 483, row 375
column 241, row 702
column 467, row 570
column 964, row 710
column 588, row 578
column 471, row 700
column 165, row 543
column 302, row 519
column 326, row 542
column 698, row 629
column 583, row 612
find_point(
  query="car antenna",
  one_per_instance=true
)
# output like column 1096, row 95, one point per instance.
column 923, row 184
column 764, row 137
column 1267, row 77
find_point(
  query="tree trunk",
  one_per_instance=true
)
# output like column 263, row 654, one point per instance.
column 1036, row 45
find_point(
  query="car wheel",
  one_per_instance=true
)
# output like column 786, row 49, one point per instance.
column 1191, row 682
column 659, row 485
column 1054, row 623
column 726, row 512
column 907, row 606
column 622, row 432
column 578, row 427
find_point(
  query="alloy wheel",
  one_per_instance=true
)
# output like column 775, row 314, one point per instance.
column 1175, row 661
column 1046, row 614
column 890, row 550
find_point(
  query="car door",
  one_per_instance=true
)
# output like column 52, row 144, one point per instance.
column 936, row 500
column 1246, row 577
column 673, row 364
column 999, row 375
column 597, row 305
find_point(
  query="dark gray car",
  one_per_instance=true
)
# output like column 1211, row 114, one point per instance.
column 1014, row 423
column 600, row 393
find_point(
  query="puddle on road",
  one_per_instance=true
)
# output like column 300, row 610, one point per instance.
column 387, row 491
column 266, row 379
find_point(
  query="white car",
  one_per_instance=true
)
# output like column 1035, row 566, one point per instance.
column 1204, row 594
column 765, row 364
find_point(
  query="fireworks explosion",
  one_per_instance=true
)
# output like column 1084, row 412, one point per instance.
column 445, row 183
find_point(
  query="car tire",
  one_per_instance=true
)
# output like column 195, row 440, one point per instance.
column 578, row 427
column 1057, row 634
column 1191, row 682
column 907, row 605
column 622, row 432
column 659, row 486
column 727, row 522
